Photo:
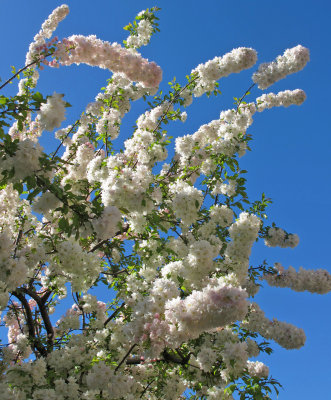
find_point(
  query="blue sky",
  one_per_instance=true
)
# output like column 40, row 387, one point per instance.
column 290, row 158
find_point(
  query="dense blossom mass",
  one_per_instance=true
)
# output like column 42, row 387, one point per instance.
column 168, row 239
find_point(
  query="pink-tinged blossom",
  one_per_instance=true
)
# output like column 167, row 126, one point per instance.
column 293, row 60
column 46, row 31
column 314, row 281
column 95, row 52
column 205, row 310
column 156, row 331
column 286, row 335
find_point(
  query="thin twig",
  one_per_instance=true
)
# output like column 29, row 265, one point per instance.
column 172, row 102
column 22, row 69
column 126, row 356
column 244, row 95
column 146, row 388
column 68, row 133
column 113, row 314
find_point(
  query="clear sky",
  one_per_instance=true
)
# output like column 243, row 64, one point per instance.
column 290, row 158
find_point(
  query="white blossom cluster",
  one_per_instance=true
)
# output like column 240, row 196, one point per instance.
column 293, row 60
column 286, row 335
column 109, row 124
column 107, row 224
column 9, row 203
column 278, row 237
column 52, row 114
column 258, row 369
column 13, row 271
column 102, row 377
column 186, row 201
column 196, row 263
column 47, row 29
column 77, row 169
column 144, row 32
column 25, row 161
column 285, row 99
column 110, row 119
column 126, row 189
column 233, row 62
column 221, row 216
column 45, row 203
column 223, row 136
column 314, row 281
column 81, row 267
column 243, row 234
column 235, row 357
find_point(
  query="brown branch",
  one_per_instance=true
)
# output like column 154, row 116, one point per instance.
column 23, row 69
column 17, row 241
column 30, row 322
column 126, row 356
column 59, row 146
column 167, row 357
column 41, row 301
column 113, row 314
column 146, row 388
column 98, row 245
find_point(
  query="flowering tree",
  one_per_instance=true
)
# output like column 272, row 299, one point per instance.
column 169, row 238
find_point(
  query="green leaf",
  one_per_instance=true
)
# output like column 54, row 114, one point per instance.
column 19, row 187
column 64, row 224
column 37, row 97
column 30, row 182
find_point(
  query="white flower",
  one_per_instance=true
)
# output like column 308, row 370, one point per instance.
column 52, row 114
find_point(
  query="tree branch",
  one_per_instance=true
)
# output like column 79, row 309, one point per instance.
column 113, row 315
column 41, row 301
column 125, row 357
column 35, row 341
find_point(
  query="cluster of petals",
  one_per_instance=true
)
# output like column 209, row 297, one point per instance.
column 235, row 61
column 285, row 99
column 107, row 224
column 95, row 52
column 25, row 161
column 144, row 33
column 278, row 237
column 47, row 29
column 293, row 60
column 257, row 368
column 205, row 310
column 283, row 333
column 243, row 234
column 52, row 113
column 312, row 280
